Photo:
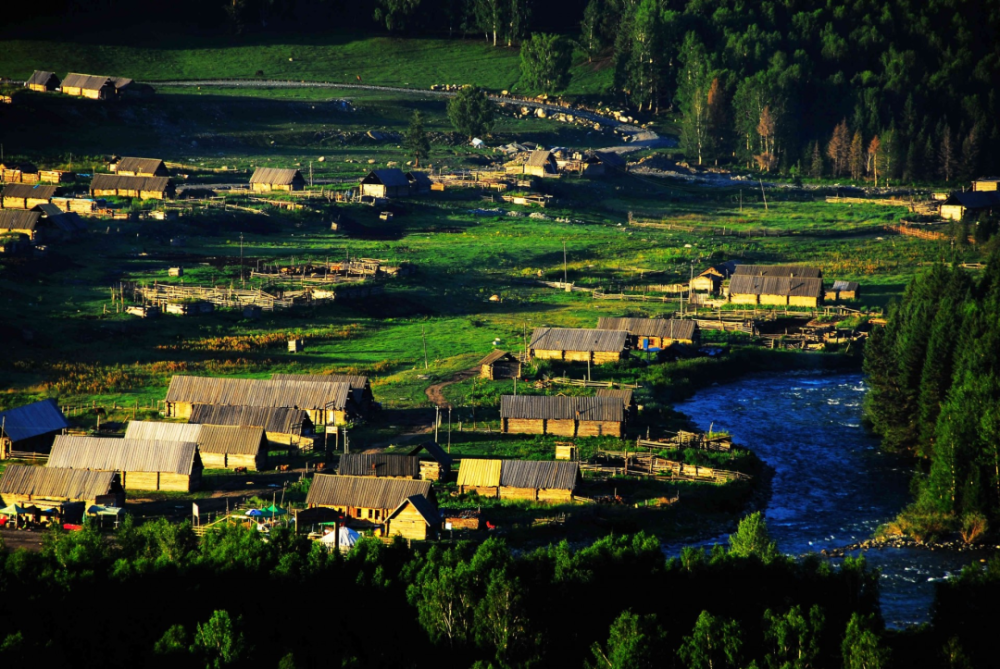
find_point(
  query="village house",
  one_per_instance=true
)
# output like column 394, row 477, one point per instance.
column 126, row 88
column 282, row 426
column 776, row 290
column 435, row 464
column 382, row 465
column 710, row 281
column 56, row 176
column 562, row 416
column 795, row 271
column 626, row 396
column 59, row 223
column 326, row 403
column 958, row 206
column 268, row 179
column 986, row 184
column 30, row 429
column 144, row 188
column 499, row 365
column 43, row 82
column 578, row 345
column 140, row 167
column 19, row 222
column 220, row 446
column 143, row 464
column 88, row 86
column 18, row 173
column 388, row 506
column 653, row 333
column 26, row 196
column 420, row 183
column 844, row 290
column 389, row 182
column 532, row 480
column 541, row 164
column 361, row 387
column 69, row 491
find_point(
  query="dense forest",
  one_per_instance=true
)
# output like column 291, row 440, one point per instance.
column 893, row 92
column 934, row 373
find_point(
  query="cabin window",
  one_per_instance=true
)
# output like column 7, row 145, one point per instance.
column 377, row 514
column 369, row 513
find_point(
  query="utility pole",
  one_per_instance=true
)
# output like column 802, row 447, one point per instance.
column 449, row 429
column 762, row 194
column 565, row 280
column 242, row 281
column 473, row 404
column 437, row 421
column 423, row 336
column 588, row 367
column 310, row 173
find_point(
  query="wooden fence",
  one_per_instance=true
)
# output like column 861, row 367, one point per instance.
column 584, row 383
column 611, row 463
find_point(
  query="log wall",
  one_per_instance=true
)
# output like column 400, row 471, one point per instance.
column 507, row 492
column 562, row 428
column 774, row 299
column 743, row 299
column 555, row 496
column 802, row 301
column 482, row 491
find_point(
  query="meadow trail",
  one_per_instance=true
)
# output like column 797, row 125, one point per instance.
column 637, row 138
column 435, row 394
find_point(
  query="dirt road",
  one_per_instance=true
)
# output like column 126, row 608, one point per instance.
column 434, row 393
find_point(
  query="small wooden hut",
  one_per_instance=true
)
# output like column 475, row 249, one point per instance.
column 126, row 88
column 380, row 465
column 30, row 429
column 369, row 502
column 986, row 184
column 960, row 205
column 143, row 464
column 844, row 290
column 27, row 196
column 268, row 179
column 533, row 480
column 566, row 451
column 541, row 163
column 653, row 333
column 626, row 397
column 499, row 365
column 64, row 224
column 18, row 173
column 88, row 86
column 43, row 82
column 48, row 487
column 20, row 222
column 578, row 345
column 775, row 290
column 390, row 182
column 140, row 167
column 144, row 188
column 415, row 518
column 283, row 426
column 562, row 416
column 435, row 464
column 710, row 281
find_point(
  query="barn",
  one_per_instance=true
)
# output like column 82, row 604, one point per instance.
column 541, row 163
column 88, row 86
column 144, row 188
column 562, row 416
column 795, row 271
column 220, row 446
column 140, row 167
column 369, row 502
column 381, row 465
column 71, row 491
column 499, row 365
column 986, row 184
column 361, row 387
column 578, row 345
column 30, row 429
column 389, row 182
column 960, row 205
column 326, row 403
column 435, row 464
column 283, row 426
column 627, row 398
column 18, row 173
column 27, row 196
column 775, row 290
column 43, row 82
column 844, row 290
column 420, row 183
column 653, row 333
column 268, row 179
column 532, row 480
column 143, row 464
column 20, row 222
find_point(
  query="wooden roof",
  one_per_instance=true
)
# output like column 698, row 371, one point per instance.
column 275, row 176
column 651, row 327
column 798, row 271
column 391, row 177
column 975, row 199
column 124, row 455
column 32, row 420
column 623, row 394
column 278, row 420
column 479, row 473
column 140, row 165
column 355, row 381
column 119, row 182
column 496, row 356
column 74, row 484
column 258, row 392
column 89, row 82
column 231, row 439
column 540, row 158
column 535, row 407
column 421, row 505
column 379, row 464
column 744, row 284
column 18, row 219
column 578, row 339
column 434, row 450
column 155, row 430
column 364, row 491
column 544, row 474
column 846, row 285
column 67, row 221
column 41, row 78
column 419, row 179
column 42, row 191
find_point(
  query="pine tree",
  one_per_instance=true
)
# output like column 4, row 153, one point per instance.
column 816, row 166
column 416, row 141
column 971, row 148
column 857, row 156
column 946, row 156
column 718, row 122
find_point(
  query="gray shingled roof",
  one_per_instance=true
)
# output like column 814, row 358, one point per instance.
column 33, row 420
column 41, row 78
column 391, row 177
column 363, row 491
column 74, row 484
column 534, row 407
column 140, row 165
column 651, row 327
column 67, row 221
column 42, row 191
column 744, row 284
column 846, row 285
column 123, row 455
column 355, row 381
column 258, row 392
column 423, row 506
column 275, row 176
column 623, row 394
column 379, row 464
column 18, row 219
column 540, row 158
column 778, row 270
column 539, row 474
column 277, row 420
column 578, row 339
column 117, row 182
column 87, row 81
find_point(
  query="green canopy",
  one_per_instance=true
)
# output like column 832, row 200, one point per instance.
column 97, row 510
column 12, row 510
column 274, row 510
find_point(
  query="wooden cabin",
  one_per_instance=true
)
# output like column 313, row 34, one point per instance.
column 49, row 487
column 541, row 164
column 362, row 398
column 566, row 451
column 415, row 518
column 126, row 88
column 140, row 167
column 562, row 416
column 143, row 464
column 19, row 222
column 710, row 281
column 794, row 271
column 26, row 196
column 627, row 398
column 381, row 465
column 56, row 176
column 369, row 503
column 653, row 333
column 435, row 464
column 420, row 183
column 326, row 403
column 64, row 224
column 18, row 173
column 532, row 480
column 220, row 446
column 30, row 429
column 389, row 182
column 43, row 82
column 844, row 290
column 282, row 426
column 775, row 290
column 960, row 205
column 88, row 86
column 144, row 188
column 269, row 179
column 499, row 365
column 578, row 345
column 986, row 184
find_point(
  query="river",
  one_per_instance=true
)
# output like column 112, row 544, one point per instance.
column 832, row 485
